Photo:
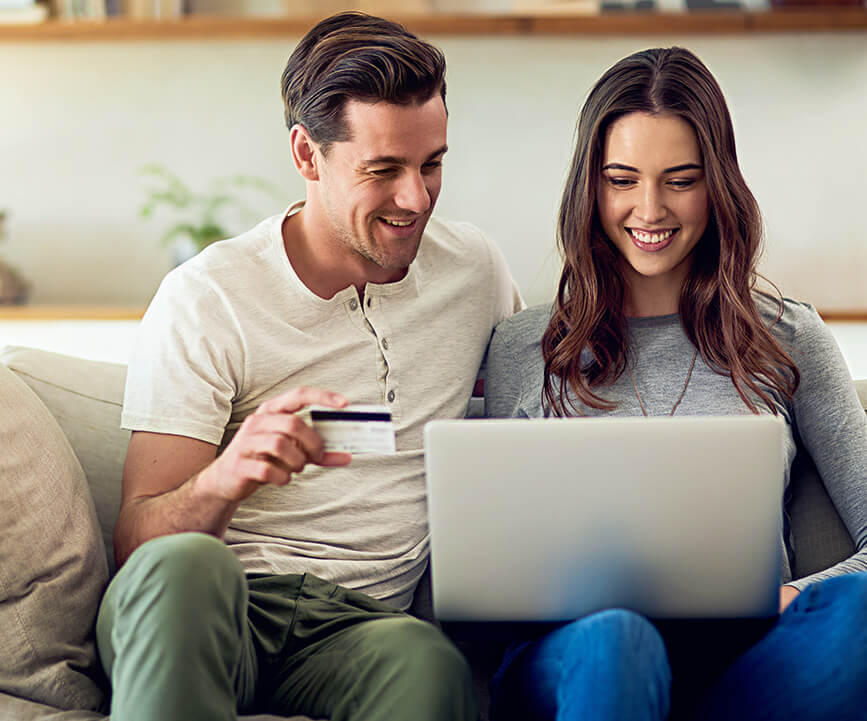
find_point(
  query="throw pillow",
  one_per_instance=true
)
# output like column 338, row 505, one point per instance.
column 85, row 397
column 53, row 567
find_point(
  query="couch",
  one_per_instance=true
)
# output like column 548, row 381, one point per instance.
column 84, row 398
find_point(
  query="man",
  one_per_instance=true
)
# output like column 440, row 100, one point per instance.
column 232, row 515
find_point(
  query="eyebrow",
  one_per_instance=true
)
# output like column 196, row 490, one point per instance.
column 672, row 169
column 395, row 160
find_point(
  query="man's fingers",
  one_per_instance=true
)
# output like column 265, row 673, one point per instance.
column 332, row 458
column 298, row 398
column 274, row 443
column 280, row 433
column 264, row 470
column 285, row 452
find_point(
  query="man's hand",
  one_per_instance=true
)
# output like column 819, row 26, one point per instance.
column 270, row 446
column 787, row 595
column 173, row 484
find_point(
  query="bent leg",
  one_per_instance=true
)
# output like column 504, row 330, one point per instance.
column 386, row 669
column 172, row 632
column 608, row 666
column 811, row 666
column 349, row 657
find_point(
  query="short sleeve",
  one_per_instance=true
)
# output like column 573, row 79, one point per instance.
column 187, row 363
column 508, row 300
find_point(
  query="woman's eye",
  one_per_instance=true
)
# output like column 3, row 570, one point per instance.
column 621, row 182
column 682, row 183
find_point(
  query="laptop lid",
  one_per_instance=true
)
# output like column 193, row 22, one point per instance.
column 550, row 520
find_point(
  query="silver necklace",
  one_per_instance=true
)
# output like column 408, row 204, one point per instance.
column 682, row 392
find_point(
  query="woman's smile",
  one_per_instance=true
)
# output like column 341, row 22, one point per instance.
column 652, row 241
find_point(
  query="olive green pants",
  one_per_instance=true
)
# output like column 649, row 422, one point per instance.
column 184, row 635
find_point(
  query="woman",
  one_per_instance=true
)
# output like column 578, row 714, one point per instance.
column 658, row 313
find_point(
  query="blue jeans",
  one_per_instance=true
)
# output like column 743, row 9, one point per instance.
column 811, row 665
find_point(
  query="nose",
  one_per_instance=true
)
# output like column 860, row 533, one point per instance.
column 412, row 193
column 651, row 205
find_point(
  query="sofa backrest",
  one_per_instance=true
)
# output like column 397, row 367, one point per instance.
column 820, row 538
column 86, row 397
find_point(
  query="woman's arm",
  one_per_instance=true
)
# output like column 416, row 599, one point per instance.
column 513, row 383
column 832, row 426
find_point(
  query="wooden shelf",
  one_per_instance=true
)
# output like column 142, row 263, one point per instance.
column 843, row 316
column 123, row 312
column 70, row 312
column 202, row 27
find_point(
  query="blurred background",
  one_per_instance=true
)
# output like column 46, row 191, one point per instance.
column 86, row 103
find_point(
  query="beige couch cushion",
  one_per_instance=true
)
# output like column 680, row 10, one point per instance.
column 52, row 563
column 85, row 398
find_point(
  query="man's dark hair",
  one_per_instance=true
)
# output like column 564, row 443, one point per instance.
column 355, row 56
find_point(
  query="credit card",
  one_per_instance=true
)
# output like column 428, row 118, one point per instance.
column 354, row 429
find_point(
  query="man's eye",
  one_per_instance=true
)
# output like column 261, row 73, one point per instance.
column 433, row 165
column 382, row 172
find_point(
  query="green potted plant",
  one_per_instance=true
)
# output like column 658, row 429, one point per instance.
column 13, row 287
column 200, row 218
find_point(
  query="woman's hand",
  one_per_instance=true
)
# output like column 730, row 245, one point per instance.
column 787, row 595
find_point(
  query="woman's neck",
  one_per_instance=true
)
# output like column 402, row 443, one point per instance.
column 648, row 296
column 646, row 303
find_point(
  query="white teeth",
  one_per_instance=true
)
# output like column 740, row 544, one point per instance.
column 398, row 223
column 640, row 235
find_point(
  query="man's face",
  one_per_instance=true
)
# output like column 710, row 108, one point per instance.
column 378, row 189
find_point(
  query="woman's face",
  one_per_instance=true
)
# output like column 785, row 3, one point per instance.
column 653, row 205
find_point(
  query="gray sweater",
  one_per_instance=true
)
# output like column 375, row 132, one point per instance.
column 824, row 414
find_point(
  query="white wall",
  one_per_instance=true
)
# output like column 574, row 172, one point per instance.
column 78, row 120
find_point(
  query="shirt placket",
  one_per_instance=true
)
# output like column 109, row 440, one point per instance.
column 373, row 311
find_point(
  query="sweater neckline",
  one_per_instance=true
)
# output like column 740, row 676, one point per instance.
column 655, row 321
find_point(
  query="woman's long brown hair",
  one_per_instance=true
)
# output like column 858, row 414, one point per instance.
column 717, row 306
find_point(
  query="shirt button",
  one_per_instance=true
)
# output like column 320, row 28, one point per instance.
column 353, row 304
column 390, row 396
column 385, row 343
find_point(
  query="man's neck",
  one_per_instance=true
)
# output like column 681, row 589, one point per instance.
column 322, row 263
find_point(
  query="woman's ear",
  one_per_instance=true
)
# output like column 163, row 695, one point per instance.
column 304, row 152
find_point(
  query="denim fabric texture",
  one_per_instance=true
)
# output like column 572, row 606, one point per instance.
column 809, row 665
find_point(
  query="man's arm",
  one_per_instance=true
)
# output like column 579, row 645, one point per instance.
column 173, row 484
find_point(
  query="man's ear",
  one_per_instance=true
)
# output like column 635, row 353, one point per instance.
column 304, row 152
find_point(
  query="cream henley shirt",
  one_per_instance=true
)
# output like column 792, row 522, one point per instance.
column 235, row 326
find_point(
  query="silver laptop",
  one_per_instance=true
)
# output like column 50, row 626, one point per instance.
column 549, row 520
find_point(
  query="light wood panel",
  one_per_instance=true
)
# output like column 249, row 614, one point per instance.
column 201, row 27
column 112, row 312
column 70, row 312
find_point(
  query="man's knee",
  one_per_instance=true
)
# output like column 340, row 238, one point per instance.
column 419, row 659
column 192, row 567
column 414, row 643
